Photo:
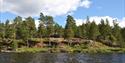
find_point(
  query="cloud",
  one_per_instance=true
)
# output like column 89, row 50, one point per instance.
column 122, row 22
column 86, row 3
column 79, row 21
column 97, row 20
column 1, row 5
column 48, row 7
column 37, row 23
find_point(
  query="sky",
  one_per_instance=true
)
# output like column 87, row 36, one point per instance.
column 59, row 9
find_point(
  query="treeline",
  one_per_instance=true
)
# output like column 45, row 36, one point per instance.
column 25, row 29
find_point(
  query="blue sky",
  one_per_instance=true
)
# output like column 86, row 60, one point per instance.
column 79, row 9
column 114, row 8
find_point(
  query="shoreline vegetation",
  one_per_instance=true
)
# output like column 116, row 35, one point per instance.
column 22, row 35
column 87, row 46
column 71, row 50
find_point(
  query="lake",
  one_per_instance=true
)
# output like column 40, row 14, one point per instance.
column 61, row 58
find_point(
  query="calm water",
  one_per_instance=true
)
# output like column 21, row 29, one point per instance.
column 60, row 58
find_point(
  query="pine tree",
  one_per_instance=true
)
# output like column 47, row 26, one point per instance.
column 41, row 30
column 79, row 32
column 123, row 33
column 24, row 31
column 123, row 36
column 68, row 32
column 49, row 25
column 10, row 31
column 30, row 22
column 108, row 29
column 41, row 27
column 105, row 28
column 17, row 19
column 58, row 30
column 70, row 28
column 117, row 33
column 2, row 30
column 87, row 27
column 17, row 24
column 83, row 31
column 94, row 31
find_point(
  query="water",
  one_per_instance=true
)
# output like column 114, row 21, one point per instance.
column 60, row 58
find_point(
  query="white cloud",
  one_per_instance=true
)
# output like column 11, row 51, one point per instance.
column 1, row 5
column 122, row 22
column 37, row 23
column 86, row 3
column 97, row 19
column 79, row 21
column 48, row 7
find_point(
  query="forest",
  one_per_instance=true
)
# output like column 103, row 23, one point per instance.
column 22, row 31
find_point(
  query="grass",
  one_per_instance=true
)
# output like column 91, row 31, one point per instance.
column 73, row 50
column 95, row 48
column 33, row 50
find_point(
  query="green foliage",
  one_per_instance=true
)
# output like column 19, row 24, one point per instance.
column 123, row 36
column 49, row 25
column 104, row 28
column 32, row 50
column 26, row 29
column 79, row 32
column 31, row 27
column 94, row 31
column 87, row 27
column 83, row 30
column 113, row 39
column 42, row 28
column 10, row 31
column 2, row 30
column 117, row 34
column 70, row 27
column 46, row 26
column 15, row 44
column 58, row 30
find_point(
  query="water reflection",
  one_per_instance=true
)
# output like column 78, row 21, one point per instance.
column 60, row 58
